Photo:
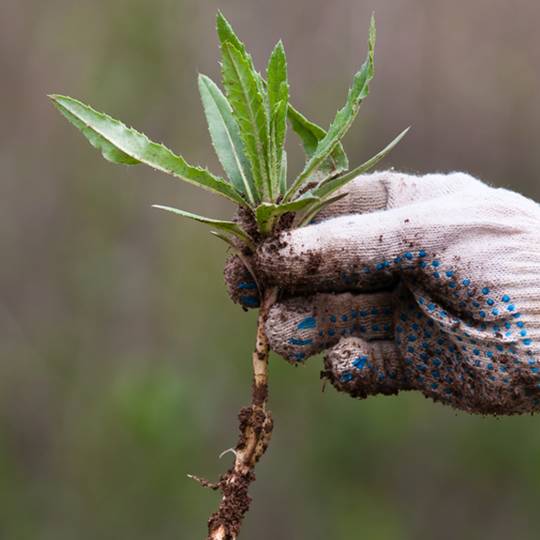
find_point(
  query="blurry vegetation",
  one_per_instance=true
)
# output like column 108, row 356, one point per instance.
column 111, row 389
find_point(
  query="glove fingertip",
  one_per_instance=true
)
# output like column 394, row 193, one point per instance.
column 240, row 284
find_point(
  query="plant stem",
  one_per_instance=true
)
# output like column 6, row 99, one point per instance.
column 255, row 425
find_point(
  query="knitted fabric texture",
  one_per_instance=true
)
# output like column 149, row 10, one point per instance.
column 434, row 287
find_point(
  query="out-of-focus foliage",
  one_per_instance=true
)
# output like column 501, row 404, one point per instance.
column 122, row 362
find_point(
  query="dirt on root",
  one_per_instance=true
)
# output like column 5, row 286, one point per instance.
column 234, row 484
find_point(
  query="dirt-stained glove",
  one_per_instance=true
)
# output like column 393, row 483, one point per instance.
column 413, row 283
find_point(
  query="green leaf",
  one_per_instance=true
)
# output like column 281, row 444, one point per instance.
column 317, row 207
column 283, row 175
column 116, row 141
column 227, row 226
column 109, row 151
column 248, row 107
column 278, row 99
column 344, row 117
column 225, row 137
column 226, row 34
column 278, row 129
column 266, row 213
column 310, row 135
column 276, row 76
column 328, row 187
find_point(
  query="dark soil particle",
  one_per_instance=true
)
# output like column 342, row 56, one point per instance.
column 246, row 219
column 259, row 393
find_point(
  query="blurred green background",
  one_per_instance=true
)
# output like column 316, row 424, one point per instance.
column 122, row 361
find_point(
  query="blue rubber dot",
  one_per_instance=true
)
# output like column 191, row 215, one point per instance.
column 408, row 255
column 511, row 307
column 333, row 318
column 360, row 362
column 412, row 337
column 331, row 332
column 434, row 386
column 520, row 324
column 476, row 352
column 489, row 354
column 466, row 282
column 251, row 301
column 485, row 290
column 247, row 285
column 452, row 284
column 346, row 376
column 449, row 273
column 421, row 253
column 499, row 347
column 495, row 311
column 490, row 301
column 307, row 323
column 527, row 341
column 301, row 342
column 490, row 366
column 505, row 298
column 482, row 314
column 436, row 264
column 379, row 266
column 436, row 275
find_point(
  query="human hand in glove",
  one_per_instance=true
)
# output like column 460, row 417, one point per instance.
column 412, row 283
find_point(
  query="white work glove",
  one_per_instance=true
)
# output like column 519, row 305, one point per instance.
column 425, row 283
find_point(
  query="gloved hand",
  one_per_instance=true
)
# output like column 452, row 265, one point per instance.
column 412, row 283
